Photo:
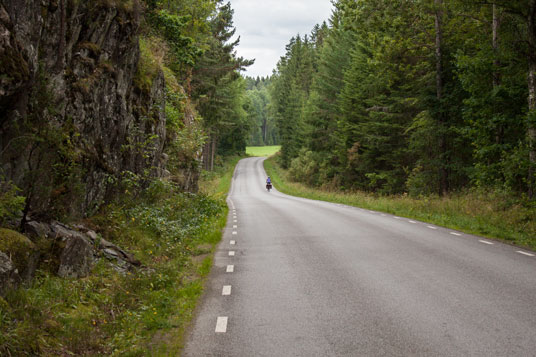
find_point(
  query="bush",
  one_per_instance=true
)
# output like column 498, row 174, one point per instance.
column 306, row 168
column 11, row 204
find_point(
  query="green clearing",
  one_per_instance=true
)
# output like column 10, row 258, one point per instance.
column 262, row 150
column 144, row 312
column 490, row 214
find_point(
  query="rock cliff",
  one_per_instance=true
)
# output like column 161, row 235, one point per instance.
column 74, row 117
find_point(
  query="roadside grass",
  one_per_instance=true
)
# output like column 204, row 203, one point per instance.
column 495, row 215
column 144, row 312
column 218, row 182
column 262, row 150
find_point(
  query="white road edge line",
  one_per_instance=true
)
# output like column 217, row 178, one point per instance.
column 221, row 324
column 412, row 222
column 395, row 217
column 485, row 242
column 235, row 221
column 431, row 227
column 455, row 234
column 235, row 226
column 233, row 242
column 226, row 290
column 230, row 269
column 235, row 232
column 525, row 253
column 231, row 253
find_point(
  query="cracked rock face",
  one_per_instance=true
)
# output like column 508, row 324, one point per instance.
column 84, row 55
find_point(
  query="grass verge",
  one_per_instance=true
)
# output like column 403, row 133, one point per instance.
column 140, row 313
column 218, row 182
column 491, row 214
column 262, row 150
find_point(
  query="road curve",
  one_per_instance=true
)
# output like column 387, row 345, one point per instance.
column 311, row 278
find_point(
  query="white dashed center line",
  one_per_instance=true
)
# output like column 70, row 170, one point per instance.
column 230, row 269
column 397, row 217
column 525, row 253
column 235, row 226
column 235, row 232
column 226, row 290
column 431, row 227
column 485, row 242
column 235, row 221
column 455, row 234
column 231, row 253
column 233, row 242
column 221, row 324
column 412, row 222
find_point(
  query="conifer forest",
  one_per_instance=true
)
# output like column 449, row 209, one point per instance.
column 419, row 97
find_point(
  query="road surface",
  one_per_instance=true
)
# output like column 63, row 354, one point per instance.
column 295, row 277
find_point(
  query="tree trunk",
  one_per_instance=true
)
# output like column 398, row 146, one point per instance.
column 496, row 65
column 207, row 155
column 495, row 39
column 264, row 124
column 213, row 152
column 531, row 129
column 60, row 63
column 443, row 173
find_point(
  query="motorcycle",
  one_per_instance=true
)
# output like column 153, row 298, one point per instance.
column 268, row 187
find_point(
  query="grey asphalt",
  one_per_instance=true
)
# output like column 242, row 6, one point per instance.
column 319, row 279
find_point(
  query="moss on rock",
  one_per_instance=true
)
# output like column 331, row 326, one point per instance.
column 17, row 246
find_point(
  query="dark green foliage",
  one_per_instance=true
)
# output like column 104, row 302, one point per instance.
column 217, row 89
column 289, row 93
column 263, row 131
column 378, row 101
column 11, row 204
column 172, row 27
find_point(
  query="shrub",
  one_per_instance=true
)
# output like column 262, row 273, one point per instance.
column 11, row 204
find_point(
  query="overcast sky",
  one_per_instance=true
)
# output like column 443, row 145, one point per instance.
column 266, row 26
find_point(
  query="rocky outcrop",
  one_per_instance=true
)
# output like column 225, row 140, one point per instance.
column 81, row 245
column 74, row 248
column 77, row 257
column 73, row 115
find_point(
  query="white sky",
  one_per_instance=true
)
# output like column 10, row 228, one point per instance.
column 266, row 26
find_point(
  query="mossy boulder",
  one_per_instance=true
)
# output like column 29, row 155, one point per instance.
column 22, row 252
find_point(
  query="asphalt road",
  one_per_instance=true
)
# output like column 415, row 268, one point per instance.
column 311, row 278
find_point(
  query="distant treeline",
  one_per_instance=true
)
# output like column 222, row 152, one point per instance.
column 264, row 131
column 417, row 96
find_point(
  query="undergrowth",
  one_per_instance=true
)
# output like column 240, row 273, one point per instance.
column 140, row 313
column 492, row 214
